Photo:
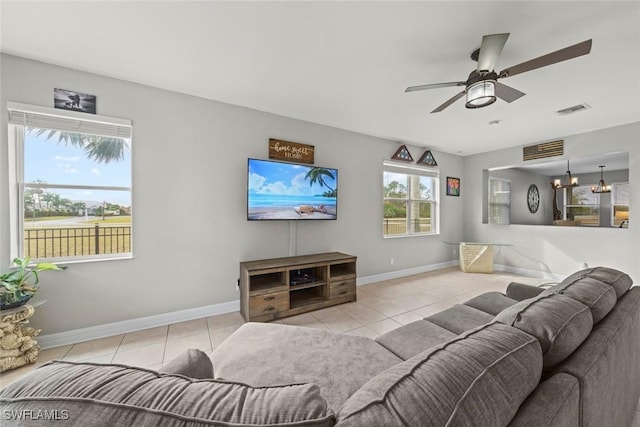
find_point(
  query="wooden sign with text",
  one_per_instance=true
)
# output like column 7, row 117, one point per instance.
column 290, row 151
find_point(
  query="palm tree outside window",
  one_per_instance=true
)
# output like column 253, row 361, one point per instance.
column 73, row 188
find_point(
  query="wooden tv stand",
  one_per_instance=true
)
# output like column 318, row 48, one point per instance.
column 268, row 290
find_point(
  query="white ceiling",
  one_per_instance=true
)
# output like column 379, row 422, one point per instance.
column 346, row 64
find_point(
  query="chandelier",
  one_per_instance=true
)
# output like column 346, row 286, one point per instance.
column 568, row 181
column 601, row 187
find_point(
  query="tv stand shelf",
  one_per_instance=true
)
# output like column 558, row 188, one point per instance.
column 267, row 292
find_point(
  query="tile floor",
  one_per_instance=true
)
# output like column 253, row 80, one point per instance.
column 381, row 307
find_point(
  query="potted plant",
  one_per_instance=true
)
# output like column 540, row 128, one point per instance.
column 20, row 283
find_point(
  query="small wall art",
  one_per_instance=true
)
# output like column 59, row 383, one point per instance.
column 453, row 186
column 427, row 159
column 291, row 151
column 74, row 101
column 402, row 154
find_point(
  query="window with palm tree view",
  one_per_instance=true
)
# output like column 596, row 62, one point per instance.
column 74, row 190
column 409, row 200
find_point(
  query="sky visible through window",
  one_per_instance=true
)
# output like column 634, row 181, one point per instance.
column 57, row 163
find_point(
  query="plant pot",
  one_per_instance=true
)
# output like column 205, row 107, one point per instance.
column 17, row 303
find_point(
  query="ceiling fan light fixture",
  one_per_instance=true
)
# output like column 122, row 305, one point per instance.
column 481, row 94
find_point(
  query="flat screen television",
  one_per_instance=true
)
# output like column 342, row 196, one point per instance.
column 289, row 191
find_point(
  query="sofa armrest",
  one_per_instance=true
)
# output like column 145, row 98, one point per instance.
column 554, row 403
column 192, row 363
column 520, row 291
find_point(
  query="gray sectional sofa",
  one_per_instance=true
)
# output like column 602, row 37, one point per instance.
column 563, row 356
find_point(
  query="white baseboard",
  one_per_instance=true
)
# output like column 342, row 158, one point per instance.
column 406, row 272
column 126, row 326
column 529, row 273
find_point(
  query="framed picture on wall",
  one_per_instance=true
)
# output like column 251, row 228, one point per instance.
column 74, row 101
column 453, row 186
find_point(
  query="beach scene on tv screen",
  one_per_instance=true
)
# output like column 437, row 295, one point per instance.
column 280, row 190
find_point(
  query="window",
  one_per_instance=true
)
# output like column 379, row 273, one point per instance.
column 499, row 201
column 582, row 205
column 410, row 200
column 620, row 204
column 71, row 184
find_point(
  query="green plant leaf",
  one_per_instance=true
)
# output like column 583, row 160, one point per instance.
column 23, row 278
column 9, row 287
column 48, row 266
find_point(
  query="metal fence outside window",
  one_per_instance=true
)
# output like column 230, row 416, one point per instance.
column 395, row 226
column 54, row 242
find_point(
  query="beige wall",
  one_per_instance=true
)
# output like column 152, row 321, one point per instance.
column 189, row 199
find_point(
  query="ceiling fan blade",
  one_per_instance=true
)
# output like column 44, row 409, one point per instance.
column 507, row 93
column 490, row 50
column 449, row 102
column 433, row 86
column 550, row 58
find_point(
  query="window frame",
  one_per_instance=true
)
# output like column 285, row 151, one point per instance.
column 593, row 206
column 490, row 203
column 419, row 172
column 614, row 190
column 87, row 124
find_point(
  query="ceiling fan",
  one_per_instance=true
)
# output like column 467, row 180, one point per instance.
column 482, row 87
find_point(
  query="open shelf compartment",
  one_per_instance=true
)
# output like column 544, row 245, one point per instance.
column 267, row 283
column 342, row 271
column 302, row 297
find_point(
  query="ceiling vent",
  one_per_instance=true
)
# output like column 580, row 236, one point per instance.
column 574, row 109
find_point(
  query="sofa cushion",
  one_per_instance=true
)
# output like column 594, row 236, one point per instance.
column 413, row 338
column 560, row 323
column 491, row 302
column 263, row 354
column 90, row 394
column 620, row 281
column 520, row 291
column 598, row 296
column 192, row 363
column 479, row 378
column 460, row 318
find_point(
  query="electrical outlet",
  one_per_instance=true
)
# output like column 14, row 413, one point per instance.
column 392, row 260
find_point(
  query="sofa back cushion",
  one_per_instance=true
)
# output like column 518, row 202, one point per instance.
column 598, row 296
column 478, row 378
column 620, row 281
column 560, row 323
column 89, row 394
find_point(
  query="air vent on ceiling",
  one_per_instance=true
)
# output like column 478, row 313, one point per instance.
column 540, row 151
column 574, row 109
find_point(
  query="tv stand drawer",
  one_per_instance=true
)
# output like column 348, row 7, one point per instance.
column 268, row 303
column 342, row 289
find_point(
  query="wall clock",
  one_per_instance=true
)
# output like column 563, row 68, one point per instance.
column 533, row 198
